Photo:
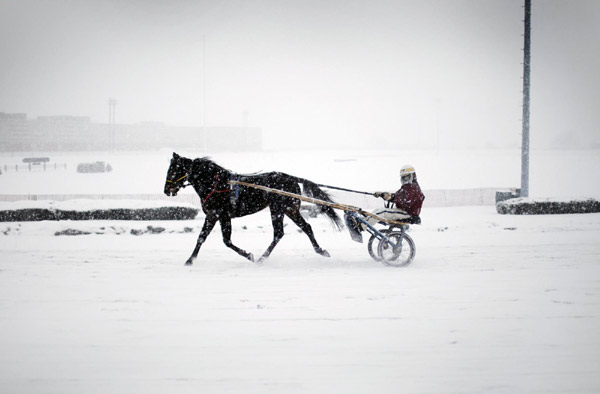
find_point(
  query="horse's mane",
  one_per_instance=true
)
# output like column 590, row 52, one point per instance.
column 209, row 159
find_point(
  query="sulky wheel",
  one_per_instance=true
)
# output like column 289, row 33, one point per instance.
column 372, row 245
column 398, row 256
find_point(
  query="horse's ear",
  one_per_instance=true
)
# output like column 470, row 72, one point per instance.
column 175, row 156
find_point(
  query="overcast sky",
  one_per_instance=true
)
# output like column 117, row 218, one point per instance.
column 329, row 73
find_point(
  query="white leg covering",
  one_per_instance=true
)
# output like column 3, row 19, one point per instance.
column 388, row 213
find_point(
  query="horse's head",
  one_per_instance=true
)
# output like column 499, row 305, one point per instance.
column 177, row 174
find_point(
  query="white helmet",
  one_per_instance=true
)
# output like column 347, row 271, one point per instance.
column 407, row 174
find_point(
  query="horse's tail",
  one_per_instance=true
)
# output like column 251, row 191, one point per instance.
column 312, row 190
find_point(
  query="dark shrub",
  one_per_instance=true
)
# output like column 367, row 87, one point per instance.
column 38, row 214
column 523, row 206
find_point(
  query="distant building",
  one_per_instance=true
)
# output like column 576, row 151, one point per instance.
column 61, row 133
column 13, row 129
column 78, row 133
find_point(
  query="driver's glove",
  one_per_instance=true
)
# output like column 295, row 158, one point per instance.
column 385, row 195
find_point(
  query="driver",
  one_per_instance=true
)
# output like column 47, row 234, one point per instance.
column 408, row 200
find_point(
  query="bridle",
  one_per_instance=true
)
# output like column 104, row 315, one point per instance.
column 175, row 181
column 183, row 184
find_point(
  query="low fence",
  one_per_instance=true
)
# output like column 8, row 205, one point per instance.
column 433, row 198
column 33, row 166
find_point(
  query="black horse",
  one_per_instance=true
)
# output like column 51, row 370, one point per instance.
column 222, row 201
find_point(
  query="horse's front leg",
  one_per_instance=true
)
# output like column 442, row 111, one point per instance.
column 226, row 230
column 209, row 224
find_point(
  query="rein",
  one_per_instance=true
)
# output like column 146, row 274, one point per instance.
column 346, row 190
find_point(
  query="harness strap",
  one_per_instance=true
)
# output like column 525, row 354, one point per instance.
column 236, row 188
column 183, row 177
column 214, row 190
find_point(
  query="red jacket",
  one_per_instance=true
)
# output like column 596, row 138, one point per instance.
column 410, row 198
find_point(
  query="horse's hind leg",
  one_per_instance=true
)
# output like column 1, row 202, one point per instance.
column 277, row 220
column 226, row 230
column 294, row 214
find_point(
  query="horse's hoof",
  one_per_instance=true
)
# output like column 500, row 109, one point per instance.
column 250, row 257
column 189, row 262
column 323, row 252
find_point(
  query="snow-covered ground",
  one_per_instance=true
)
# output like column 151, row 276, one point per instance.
column 492, row 303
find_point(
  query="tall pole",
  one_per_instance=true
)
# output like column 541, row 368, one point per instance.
column 438, row 108
column 245, row 129
column 526, row 83
column 204, row 94
column 109, row 125
column 112, row 104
